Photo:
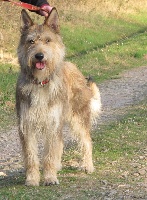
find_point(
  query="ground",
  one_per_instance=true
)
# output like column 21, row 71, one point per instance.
column 117, row 96
column 120, row 93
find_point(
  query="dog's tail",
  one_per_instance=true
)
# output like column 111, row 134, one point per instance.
column 95, row 103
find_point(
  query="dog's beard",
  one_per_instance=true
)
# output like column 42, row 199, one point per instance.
column 40, row 70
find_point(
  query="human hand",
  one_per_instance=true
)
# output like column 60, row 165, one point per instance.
column 45, row 10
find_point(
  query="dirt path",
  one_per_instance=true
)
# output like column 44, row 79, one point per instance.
column 116, row 95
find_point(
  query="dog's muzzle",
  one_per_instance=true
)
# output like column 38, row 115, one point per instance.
column 40, row 63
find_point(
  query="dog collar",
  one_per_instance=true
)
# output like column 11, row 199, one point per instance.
column 42, row 83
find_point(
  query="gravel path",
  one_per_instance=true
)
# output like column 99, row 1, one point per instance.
column 116, row 95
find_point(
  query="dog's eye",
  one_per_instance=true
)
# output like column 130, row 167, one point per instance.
column 31, row 41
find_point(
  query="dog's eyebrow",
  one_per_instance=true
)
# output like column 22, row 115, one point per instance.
column 31, row 37
column 34, row 33
column 40, row 28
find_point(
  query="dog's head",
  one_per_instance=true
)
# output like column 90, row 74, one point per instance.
column 40, row 51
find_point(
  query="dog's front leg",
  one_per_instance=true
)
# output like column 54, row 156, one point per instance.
column 52, row 158
column 53, row 147
column 29, row 147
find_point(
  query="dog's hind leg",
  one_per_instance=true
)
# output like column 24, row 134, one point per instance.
column 86, row 150
column 81, row 132
column 29, row 147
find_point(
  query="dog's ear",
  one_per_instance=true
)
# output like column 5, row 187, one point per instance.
column 52, row 21
column 26, row 21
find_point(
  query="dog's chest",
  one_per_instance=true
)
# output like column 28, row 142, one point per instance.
column 40, row 99
column 41, row 115
column 46, row 97
column 46, row 107
column 43, row 99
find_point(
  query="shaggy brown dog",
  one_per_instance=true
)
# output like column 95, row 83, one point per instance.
column 49, row 93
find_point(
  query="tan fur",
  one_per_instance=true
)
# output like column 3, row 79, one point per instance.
column 43, row 110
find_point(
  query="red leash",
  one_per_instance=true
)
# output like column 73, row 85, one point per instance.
column 25, row 5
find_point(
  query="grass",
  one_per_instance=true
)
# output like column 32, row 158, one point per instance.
column 104, row 47
column 8, row 76
column 123, row 137
column 109, row 61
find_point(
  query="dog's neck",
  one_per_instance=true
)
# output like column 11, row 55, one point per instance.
column 35, row 80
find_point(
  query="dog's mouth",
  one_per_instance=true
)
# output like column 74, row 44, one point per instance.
column 40, row 65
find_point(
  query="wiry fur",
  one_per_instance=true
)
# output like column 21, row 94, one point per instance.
column 43, row 110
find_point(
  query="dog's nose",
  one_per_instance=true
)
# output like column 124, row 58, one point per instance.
column 39, row 56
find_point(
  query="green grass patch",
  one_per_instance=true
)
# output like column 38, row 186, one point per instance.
column 84, row 33
column 124, row 137
column 8, row 76
column 104, row 46
column 108, row 62
column 140, row 53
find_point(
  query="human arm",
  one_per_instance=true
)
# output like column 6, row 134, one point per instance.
column 43, row 4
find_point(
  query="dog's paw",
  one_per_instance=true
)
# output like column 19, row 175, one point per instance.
column 87, row 168
column 51, row 181
column 33, row 178
column 31, row 183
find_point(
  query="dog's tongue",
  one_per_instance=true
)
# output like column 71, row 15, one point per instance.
column 40, row 65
